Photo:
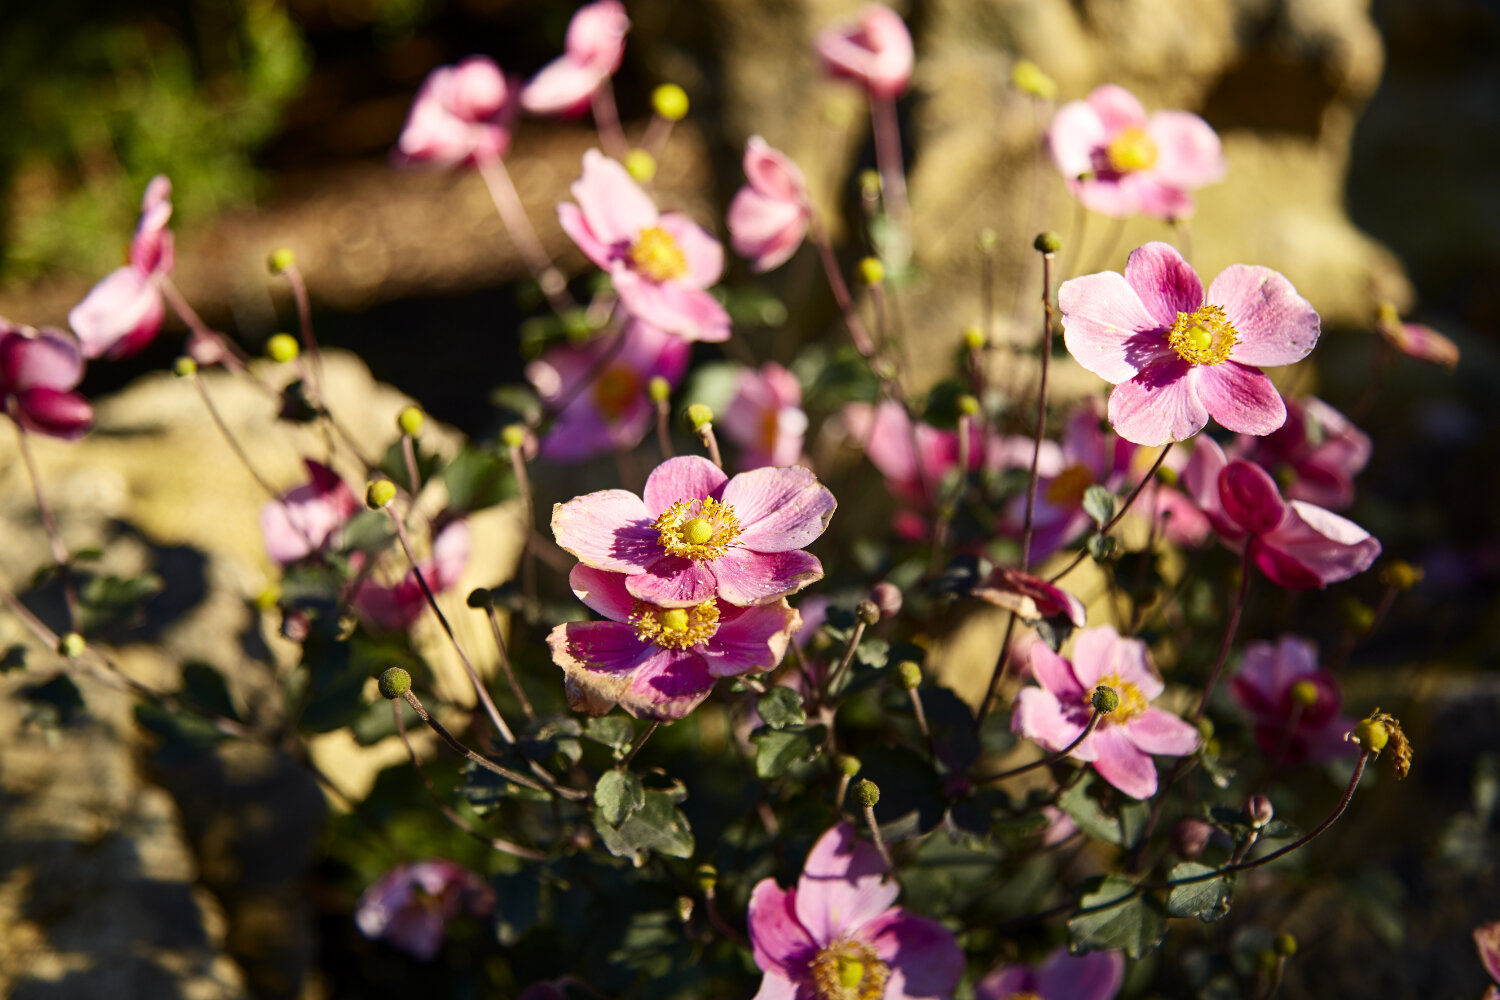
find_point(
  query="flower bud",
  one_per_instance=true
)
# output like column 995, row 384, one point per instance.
column 480, row 597
column 513, row 436
column 871, row 271
column 910, row 674
column 1371, row 735
column 280, row 259
column 670, row 101
column 869, row 184
column 707, row 876
column 268, row 598
column 1028, row 76
column 1401, row 574
column 887, row 597
column 1304, row 693
column 867, row 612
column 866, row 792
column 1267, row 960
column 394, row 683
column 379, row 493
column 1166, row 476
column 283, row 347
column 71, row 645
column 968, row 405
column 974, row 338
column 1048, row 243
column 1205, row 728
column 185, row 367
column 987, row 240
column 848, row 764
column 410, row 420
column 1358, row 616
column 659, row 389
column 699, row 416
column 1285, row 945
column 641, row 166
column 1259, row 811
column 1190, row 837
column 1106, row 699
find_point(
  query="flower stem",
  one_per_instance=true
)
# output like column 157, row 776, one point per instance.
column 706, row 435
column 640, row 741
column 505, row 664
column 1041, row 412
column 233, row 357
column 663, row 433
column 837, row 674
column 887, row 129
column 49, row 520
column 885, row 852
column 528, row 512
column 304, row 319
column 1050, row 758
column 841, row 297
column 607, row 121
column 1236, row 610
column 457, row 747
column 1129, row 500
column 518, row 224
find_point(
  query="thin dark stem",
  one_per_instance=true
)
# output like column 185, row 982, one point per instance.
column 640, row 741
column 309, row 342
column 1050, row 758
column 998, row 674
column 528, row 513
column 1041, row 412
column 841, row 297
column 710, row 903
column 1236, row 610
column 837, row 673
column 505, row 664
column 513, row 215
column 887, row 129
column 229, row 438
column 234, row 359
column 49, row 521
column 515, row 777
column 1124, row 508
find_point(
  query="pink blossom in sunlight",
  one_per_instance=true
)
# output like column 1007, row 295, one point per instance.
column 765, row 417
column 1120, row 161
column 1415, row 340
column 876, row 52
column 461, row 114
column 124, row 312
column 307, row 518
column 39, row 370
column 769, row 215
column 397, row 607
column 411, row 905
column 1315, row 455
column 1294, row 705
column 592, row 53
column 1097, row 975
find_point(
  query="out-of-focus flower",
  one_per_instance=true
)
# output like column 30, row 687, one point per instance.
column 1060, row 827
column 1295, row 706
column 411, row 905
column 38, row 371
column 124, row 312
column 765, row 417
column 592, row 52
column 1031, row 597
column 875, row 52
column 659, row 262
column 1315, row 454
column 1097, row 975
column 1297, row 545
column 1120, row 161
column 1090, row 456
column 837, row 935
column 1415, row 340
column 1120, row 747
column 307, row 518
column 462, row 113
column 1487, row 940
column 398, row 606
column 769, row 215
column 613, row 411
column 1177, row 357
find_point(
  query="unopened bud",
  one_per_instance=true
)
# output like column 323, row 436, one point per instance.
column 379, row 493
column 513, row 436
column 1305, row 693
column 1259, row 811
column 1358, row 616
column 480, row 597
column 867, row 612
column 268, row 598
column 1401, row 574
column 848, row 764
column 707, row 877
column 640, row 165
column 968, row 405
column 1205, row 727
column 1028, row 76
column 987, row 240
column 280, row 259
column 1371, row 735
column 887, row 597
column 659, row 389
column 866, row 792
column 394, row 683
column 974, row 338
column 871, row 271
column 71, row 645
column 1190, row 837
column 1048, row 243
column 699, row 416
column 283, row 347
column 410, row 420
column 869, row 184
column 1106, row 699
column 1267, row 960
column 670, row 101
column 185, row 367
column 1285, row 945
column 910, row 674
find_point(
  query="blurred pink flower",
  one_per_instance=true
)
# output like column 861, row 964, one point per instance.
column 1176, row 356
column 592, row 52
column 765, row 417
column 307, row 518
column 1315, row 454
column 1031, row 597
column 124, row 312
column 1097, row 975
column 838, row 934
column 769, row 215
column 1415, row 340
column 875, row 52
column 397, row 607
column 1294, row 705
column 1119, row 161
column 38, row 372
column 660, row 262
column 1060, row 827
column 1120, row 747
column 462, row 113
column 1487, row 940
column 411, row 905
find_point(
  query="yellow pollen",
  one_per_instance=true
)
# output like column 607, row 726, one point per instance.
column 615, row 390
column 1305, row 693
column 1131, row 150
column 675, row 628
column 697, row 529
column 849, row 970
column 1203, row 337
column 1068, row 486
column 656, row 255
column 1132, row 702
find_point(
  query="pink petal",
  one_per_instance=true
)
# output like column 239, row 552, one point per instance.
column 924, row 959
column 1158, row 199
column 1249, row 495
column 596, row 34
column 674, row 306
column 1188, row 153
column 1166, row 284
column 119, row 316
column 599, row 661
column 765, row 231
column 1038, row 716
column 1274, row 324
column 1115, row 196
column 750, row 641
column 1101, row 651
column 1201, row 474
column 775, row 987
column 1055, row 674
column 65, row 415
column 1116, row 107
column 704, row 254
column 603, row 592
column 1106, row 326
column 1005, row 982
column 843, row 885
column 562, row 87
column 772, row 173
column 1123, row 765
column 1095, row 976
column 1159, row 732
column 668, row 686
column 1314, row 547
column 686, row 477
column 877, row 52
column 572, row 220
column 1257, row 685
column 1075, row 135
column 746, row 577
column 779, row 509
column 781, row 945
column 51, row 359
column 674, row 582
column 610, row 529
column 1240, row 398
column 1159, row 405
column 1487, row 941
column 613, row 205
column 450, row 556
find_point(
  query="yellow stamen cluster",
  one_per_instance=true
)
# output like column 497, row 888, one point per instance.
column 616, row 389
column 675, row 628
column 849, row 970
column 1203, row 337
column 1132, row 702
column 656, row 255
column 1380, row 730
column 697, row 529
column 1132, row 149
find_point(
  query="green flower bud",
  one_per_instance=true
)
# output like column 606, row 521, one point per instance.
column 869, row 184
column 71, row 645
column 848, row 764
column 280, row 259
column 394, row 683
column 185, row 367
column 974, row 338
column 707, row 877
column 283, row 347
column 1106, row 699
column 1047, row 243
column 968, row 405
column 1285, row 945
column 1371, row 735
column 670, row 101
column 1305, row 693
column 699, row 416
column 1267, row 960
column 1358, row 616
column 871, row 271
column 1166, row 476
column 910, row 674
column 513, row 436
column 659, row 389
column 379, row 493
column 1205, row 728
column 1401, row 574
column 867, row 612
column 641, row 166
column 1028, row 76
column 410, row 420
column 866, row 792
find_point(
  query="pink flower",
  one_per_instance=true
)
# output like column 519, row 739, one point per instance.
column 768, row 217
column 409, row 908
column 765, row 417
column 1295, row 706
column 1120, row 748
column 397, row 607
column 838, row 935
column 1177, row 357
column 1030, row 597
column 696, row 534
column 1487, row 940
column 1415, row 340
column 1296, row 545
column 1095, row 976
column 1060, row 827
column 660, row 262
column 1119, row 161
column 38, row 371
column 1316, row 453
column 463, row 113
column 659, row 662
column 876, row 52
column 592, row 52
column 308, row 518
column 124, row 312
column 612, row 411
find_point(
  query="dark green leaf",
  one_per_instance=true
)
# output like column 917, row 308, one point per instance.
column 1101, row 547
column 618, row 795
column 52, row 703
column 912, row 800
column 778, row 749
column 781, row 707
column 477, row 479
column 1099, row 504
column 369, row 531
column 657, row 826
column 1135, row 925
column 1088, row 814
column 552, row 734
column 1208, row 900
column 614, row 731
column 204, row 687
column 952, row 726
column 518, row 905
column 375, row 721
column 105, row 600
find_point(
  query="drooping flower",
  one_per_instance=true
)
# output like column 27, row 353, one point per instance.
column 660, row 262
column 1097, row 975
column 1415, row 340
column 659, row 662
column 592, row 52
column 1120, row 161
column 606, row 408
column 1177, row 357
column 875, row 52
column 1032, row 598
column 124, row 312
column 1120, row 748
column 1294, row 705
column 1487, row 940
column 769, row 215
column 1315, row 455
column 765, row 417
column 411, row 905
column 397, row 606
column 838, row 936
column 462, row 113
column 696, row 533
column 307, row 518
column 38, row 372
column 1296, row 544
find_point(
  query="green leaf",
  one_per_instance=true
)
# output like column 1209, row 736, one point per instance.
column 368, row 531
column 658, row 825
column 1101, row 547
column 1207, row 900
column 375, row 721
column 552, row 734
column 106, row 600
column 204, row 686
column 614, row 731
column 1088, row 814
column 778, row 749
column 1135, row 925
column 52, row 703
column 618, row 795
column 873, row 652
column 781, row 707
column 1099, row 503
column 477, row 479
column 393, row 464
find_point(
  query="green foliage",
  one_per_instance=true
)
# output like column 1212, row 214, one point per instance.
column 776, row 750
column 1136, row 924
column 655, row 825
column 1208, row 900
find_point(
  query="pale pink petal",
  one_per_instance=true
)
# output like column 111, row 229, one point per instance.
column 603, row 592
column 450, row 556
column 1250, row 496
column 1158, row 199
column 876, row 52
column 779, row 509
column 1159, row 405
column 572, row 220
column 1159, row 732
column 1274, row 324
column 924, row 959
column 1123, row 765
column 1106, row 326
column 1097, row 975
column 1075, row 135
column 1164, row 281
column 674, row 582
column 749, row 640
column 610, row 529
column 562, row 87
column 673, row 306
column 51, row 359
column 765, row 231
column 1116, row 196
column 613, row 205
column 775, row 987
column 1055, row 674
column 704, row 254
column 596, row 34
column 843, row 885
column 686, row 477
column 746, row 577
column 1116, row 107
column 1314, row 547
column 1240, row 398
column 1038, row 716
column 1201, row 474
column 781, row 945
column 772, row 173
column 1188, row 153
column 119, row 316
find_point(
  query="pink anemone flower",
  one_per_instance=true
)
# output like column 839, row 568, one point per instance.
column 660, row 262
column 876, row 52
column 1177, row 357
column 1297, row 545
column 38, row 372
column 765, row 417
column 1121, row 746
column 769, row 215
column 411, row 905
column 1097, row 975
column 1119, row 161
column 124, row 312
column 1032, row 598
column 838, row 934
column 592, row 53
column 1316, row 453
column 658, row 662
column 307, row 518
column 1487, row 941
column 1294, row 705
column 605, row 409
column 397, row 607
column 462, row 114
column 696, row 534
column 1415, row 340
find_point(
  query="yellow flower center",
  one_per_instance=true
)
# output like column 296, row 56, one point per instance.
column 675, row 628
column 1131, row 150
column 1305, row 693
column 1068, row 486
column 1203, row 337
column 615, row 390
column 1132, row 702
column 656, row 255
column 697, row 529
column 849, row 970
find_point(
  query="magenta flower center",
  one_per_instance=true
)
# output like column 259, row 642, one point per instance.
column 1132, row 702
column 656, row 255
column 675, row 628
column 849, row 970
column 616, row 389
column 697, row 529
column 1203, row 337
column 1131, row 150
